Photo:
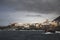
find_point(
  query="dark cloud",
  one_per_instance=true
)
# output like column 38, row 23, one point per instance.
column 33, row 5
column 28, row 10
column 33, row 15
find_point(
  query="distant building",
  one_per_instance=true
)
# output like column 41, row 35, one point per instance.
column 46, row 22
column 26, row 26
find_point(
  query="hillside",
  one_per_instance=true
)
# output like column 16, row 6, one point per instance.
column 57, row 19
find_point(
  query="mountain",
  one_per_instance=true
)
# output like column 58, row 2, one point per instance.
column 57, row 19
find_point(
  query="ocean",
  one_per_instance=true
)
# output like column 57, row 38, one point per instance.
column 28, row 35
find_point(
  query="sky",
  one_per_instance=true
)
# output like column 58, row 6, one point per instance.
column 28, row 11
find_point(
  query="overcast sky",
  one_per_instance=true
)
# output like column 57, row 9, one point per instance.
column 28, row 10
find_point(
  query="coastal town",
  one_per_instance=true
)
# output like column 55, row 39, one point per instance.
column 46, row 25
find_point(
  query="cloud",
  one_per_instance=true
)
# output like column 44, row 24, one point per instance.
column 28, row 10
column 44, row 6
column 33, row 16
